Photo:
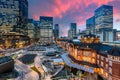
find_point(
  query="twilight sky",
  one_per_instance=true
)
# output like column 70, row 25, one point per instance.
column 67, row 11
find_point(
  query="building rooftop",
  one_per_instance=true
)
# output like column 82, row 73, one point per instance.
column 115, row 51
column 5, row 59
column 58, row 60
column 102, row 49
column 75, row 41
column 103, row 6
column 90, row 35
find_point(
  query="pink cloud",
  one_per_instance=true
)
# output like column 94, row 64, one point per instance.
column 67, row 11
column 118, row 20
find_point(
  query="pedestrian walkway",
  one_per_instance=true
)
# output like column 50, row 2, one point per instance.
column 71, row 64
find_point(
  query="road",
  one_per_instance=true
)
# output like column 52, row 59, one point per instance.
column 25, row 72
column 47, row 77
column 38, row 65
column 42, row 69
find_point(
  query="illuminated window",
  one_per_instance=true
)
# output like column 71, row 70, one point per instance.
column 101, row 71
column 101, row 63
column 110, row 70
column 110, row 78
column 75, row 52
column 110, row 63
column 106, row 65
column 97, row 61
column 87, row 59
column 116, row 58
column 93, row 54
column 110, row 57
column 86, row 53
column 98, row 56
column 102, row 58
column 93, row 60
column 106, row 59
column 78, row 53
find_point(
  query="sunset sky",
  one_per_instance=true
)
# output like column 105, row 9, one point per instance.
column 67, row 11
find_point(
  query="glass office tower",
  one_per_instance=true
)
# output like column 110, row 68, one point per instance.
column 72, row 31
column 90, row 25
column 56, row 31
column 46, row 30
column 104, row 17
column 13, row 16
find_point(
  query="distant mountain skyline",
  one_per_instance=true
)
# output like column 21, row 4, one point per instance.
column 68, row 11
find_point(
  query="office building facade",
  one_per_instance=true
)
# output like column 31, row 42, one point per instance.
column 13, row 16
column 90, row 25
column 91, row 57
column 46, row 30
column 23, row 17
column 37, row 30
column 104, row 23
column 31, row 30
column 56, row 31
column 104, row 17
column 69, row 34
column 118, row 35
column 73, row 30
column 107, row 35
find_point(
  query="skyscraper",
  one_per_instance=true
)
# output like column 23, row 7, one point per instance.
column 72, row 31
column 31, row 30
column 107, row 34
column 104, row 17
column 69, row 34
column 37, row 30
column 46, row 30
column 56, row 31
column 13, row 15
column 90, row 25
column 23, row 17
column 104, row 23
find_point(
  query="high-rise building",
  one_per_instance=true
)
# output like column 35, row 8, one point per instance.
column 56, row 31
column 37, row 23
column 69, row 33
column 104, row 17
column 107, row 34
column 91, row 52
column 104, row 23
column 37, row 30
column 23, row 17
column 46, row 30
column 90, row 25
column 13, row 16
column 118, row 35
column 31, row 30
column 72, row 31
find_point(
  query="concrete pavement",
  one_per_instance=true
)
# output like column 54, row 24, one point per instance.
column 25, row 72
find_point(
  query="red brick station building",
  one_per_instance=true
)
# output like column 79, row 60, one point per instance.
column 91, row 56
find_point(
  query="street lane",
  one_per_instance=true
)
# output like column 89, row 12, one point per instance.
column 25, row 72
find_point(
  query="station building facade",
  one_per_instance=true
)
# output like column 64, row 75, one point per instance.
column 93, row 56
